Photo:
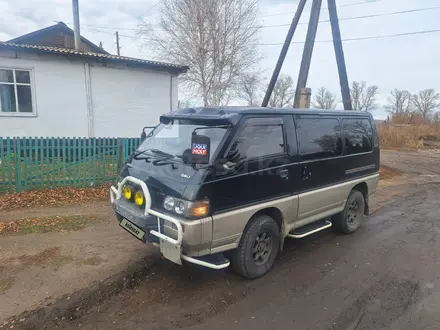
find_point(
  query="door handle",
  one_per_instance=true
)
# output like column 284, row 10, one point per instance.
column 305, row 173
column 284, row 174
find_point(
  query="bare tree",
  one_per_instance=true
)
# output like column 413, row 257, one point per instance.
column 363, row 97
column 436, row 117
column 215, row 38
column 283, row 93
column 249, row 89
column 399, row 102
column 184, row 104
column 426, row 102
column 324, row 99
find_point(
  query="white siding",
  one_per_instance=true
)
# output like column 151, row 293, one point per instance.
column 59, row 92
column 126, row 100
column 123, row 100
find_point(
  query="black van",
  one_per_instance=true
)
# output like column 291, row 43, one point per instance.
column 220, row 186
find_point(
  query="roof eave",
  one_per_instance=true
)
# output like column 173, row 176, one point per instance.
column 177, row 70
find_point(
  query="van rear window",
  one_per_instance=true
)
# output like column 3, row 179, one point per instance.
column 358, row 135
column 319, row 138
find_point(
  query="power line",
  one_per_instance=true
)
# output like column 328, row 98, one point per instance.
column 340, row 6
column 304, row 23
column 318, row 41
column 157, row 3
column 361, row 38
column 365, row 16
column 288, row 13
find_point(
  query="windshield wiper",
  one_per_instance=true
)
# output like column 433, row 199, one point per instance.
column 156, row 151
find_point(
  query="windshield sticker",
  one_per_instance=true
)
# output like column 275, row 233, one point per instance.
column 199, row 149
column 184, row 175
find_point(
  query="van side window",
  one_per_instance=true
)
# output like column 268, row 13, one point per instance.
column 257, row 140
column 319, row 138
column 358, row 135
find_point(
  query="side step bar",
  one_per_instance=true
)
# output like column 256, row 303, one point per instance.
column 214, row 261
column 309, row 229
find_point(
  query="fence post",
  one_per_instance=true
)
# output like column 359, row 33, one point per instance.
column 120, row 157
column 17, row 164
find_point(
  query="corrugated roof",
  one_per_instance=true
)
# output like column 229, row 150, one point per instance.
column 178, row 69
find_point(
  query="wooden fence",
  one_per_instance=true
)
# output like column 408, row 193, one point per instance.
column 46, row 163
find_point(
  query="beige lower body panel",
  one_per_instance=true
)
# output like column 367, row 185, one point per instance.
column 223, row 231
column 325, row 202
column 229, row 226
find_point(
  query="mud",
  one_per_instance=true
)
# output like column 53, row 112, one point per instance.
column 384, row 276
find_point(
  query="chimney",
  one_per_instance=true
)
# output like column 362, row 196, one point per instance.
column 76, row 24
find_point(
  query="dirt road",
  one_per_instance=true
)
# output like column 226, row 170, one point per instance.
column 384, row 276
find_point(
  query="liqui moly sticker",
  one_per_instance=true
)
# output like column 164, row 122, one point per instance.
column 199, row 149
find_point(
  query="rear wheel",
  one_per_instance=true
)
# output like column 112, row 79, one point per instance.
column 258, row 248
column 349, row 220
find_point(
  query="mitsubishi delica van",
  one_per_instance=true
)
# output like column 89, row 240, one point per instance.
column 226, row 186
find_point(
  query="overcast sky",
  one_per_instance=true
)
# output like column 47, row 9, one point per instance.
column 406, row 62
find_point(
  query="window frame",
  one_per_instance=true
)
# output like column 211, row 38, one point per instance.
column 298, row 117
column 373, row 141
column 31, row 84
column 266, row 121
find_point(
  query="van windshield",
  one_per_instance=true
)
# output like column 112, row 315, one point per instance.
column 175, row 138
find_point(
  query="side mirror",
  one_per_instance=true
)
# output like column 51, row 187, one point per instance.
column 200, row 149
column 144, row 135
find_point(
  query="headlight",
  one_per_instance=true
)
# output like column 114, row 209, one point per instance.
column 168, row 203
column 127, row 192
column 180, row 207
column 139, row 198
column 188, row 209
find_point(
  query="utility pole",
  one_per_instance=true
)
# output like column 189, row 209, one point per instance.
column 118, row 49
column 283, row 52
column 339, row 52
column 308, row 50
column 76, row 30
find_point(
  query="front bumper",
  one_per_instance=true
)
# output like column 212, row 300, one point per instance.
column 170, row 245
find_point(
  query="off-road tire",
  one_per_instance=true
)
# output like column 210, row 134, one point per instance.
column 242, row 258
column 344, row 222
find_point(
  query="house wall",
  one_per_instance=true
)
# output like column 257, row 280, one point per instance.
column 75, row 99
column 59, row 98
column 126, row 100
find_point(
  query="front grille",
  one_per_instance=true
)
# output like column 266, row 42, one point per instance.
column 157, row 196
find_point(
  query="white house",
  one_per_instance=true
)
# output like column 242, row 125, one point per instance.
column 48, row 89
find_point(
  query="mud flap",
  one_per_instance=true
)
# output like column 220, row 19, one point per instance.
column 171, row 252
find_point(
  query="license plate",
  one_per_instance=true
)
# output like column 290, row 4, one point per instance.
column 132, row 228
column 171, row 251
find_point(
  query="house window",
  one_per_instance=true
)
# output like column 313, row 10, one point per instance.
column 15, row 91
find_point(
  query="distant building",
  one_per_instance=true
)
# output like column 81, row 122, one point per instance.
column 47, row 88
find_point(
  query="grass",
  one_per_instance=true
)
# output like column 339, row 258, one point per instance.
column 45, row 225
column 6, row 284
column 408, row 136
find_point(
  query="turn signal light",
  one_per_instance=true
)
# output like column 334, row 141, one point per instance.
column 199, row 209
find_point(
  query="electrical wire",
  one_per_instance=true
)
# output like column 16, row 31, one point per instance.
column 300, row 23
column 323, row 8
column 318, row 41
column 360, row 38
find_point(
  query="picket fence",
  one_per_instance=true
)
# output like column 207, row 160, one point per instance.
column 47, row 163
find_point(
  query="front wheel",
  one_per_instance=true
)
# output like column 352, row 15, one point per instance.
column 258, row 248
column 349, row 220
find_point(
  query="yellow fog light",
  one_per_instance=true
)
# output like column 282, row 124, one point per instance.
column 139, row 198
column 127, row 192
